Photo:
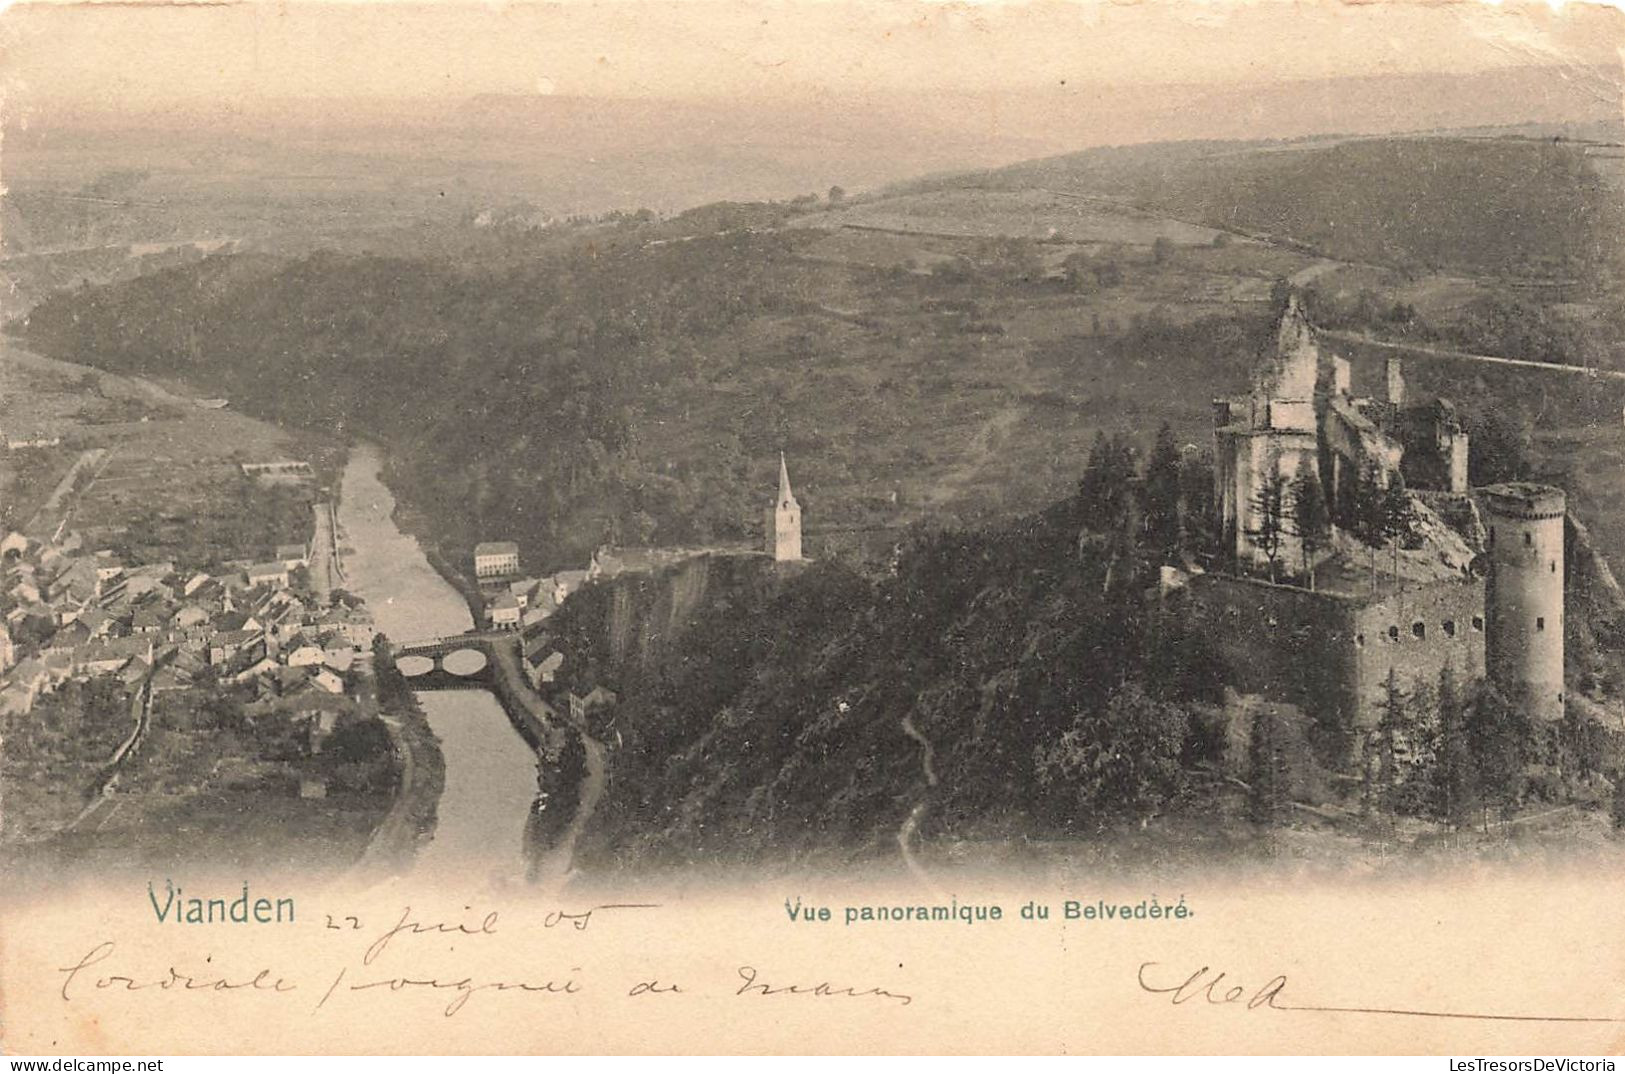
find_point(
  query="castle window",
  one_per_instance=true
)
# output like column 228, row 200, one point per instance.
column 1478, row 623
column 1540, row 622
column 1359, row 641
column 1528, row 539
column 1449, row 626
column 1419, row 630
column 1554, row 566
column 1393, row 633
column 1492, row 535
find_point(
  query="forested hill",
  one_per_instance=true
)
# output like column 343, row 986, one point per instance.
column 637, row 385
column 1000, row 682
column 937, row 356
column 512, row 396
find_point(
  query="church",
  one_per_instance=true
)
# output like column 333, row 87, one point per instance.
column 782, row 521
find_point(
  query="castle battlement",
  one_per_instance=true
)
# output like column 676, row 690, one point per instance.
column 1524, row 500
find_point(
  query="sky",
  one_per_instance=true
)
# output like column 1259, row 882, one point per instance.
column 135, row 57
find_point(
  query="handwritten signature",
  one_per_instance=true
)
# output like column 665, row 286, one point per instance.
column 1210, row 988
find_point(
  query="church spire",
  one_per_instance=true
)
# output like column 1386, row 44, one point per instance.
column 785, row 496
column 782, row 521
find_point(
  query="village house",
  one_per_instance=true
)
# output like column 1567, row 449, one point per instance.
column 504, row 612
column 328, row 681
column 293, row 556
column 583, row 705
column 306, row 656
column 272, row 574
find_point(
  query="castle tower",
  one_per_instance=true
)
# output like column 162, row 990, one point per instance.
column 1270, row 432
column 1523, row 601
column 783, row 521
column 1393, row 375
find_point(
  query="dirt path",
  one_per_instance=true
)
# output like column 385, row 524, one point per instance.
column 393, row 840
column 911, row 824
column 42, row 521
column 324, row 560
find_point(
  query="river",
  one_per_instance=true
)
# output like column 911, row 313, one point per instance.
column 490, row 771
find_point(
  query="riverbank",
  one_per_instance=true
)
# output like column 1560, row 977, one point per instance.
column 410, row 823
column 573, row 766
column 489, row 780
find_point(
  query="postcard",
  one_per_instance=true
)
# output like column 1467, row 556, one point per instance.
column 867, row 526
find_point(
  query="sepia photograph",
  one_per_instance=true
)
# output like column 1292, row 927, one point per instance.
column 804, row 486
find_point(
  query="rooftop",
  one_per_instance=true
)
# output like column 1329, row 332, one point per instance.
column 496, row 548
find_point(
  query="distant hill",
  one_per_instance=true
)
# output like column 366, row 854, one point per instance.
column 1506, row 204
column 941, row 352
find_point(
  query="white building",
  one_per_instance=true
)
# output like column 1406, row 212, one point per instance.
column 496, row 559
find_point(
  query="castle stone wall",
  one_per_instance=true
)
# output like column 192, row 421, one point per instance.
column 1330, row 654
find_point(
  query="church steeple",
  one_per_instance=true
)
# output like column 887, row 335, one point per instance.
column 782, row 521
column 785, row 495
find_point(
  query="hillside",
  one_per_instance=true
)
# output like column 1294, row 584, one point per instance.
column 940, row 366
column 1507, row 204
column 795, row 709
column 939, row 354
column 639, row 389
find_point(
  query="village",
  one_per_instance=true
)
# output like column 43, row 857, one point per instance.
column 76, row 614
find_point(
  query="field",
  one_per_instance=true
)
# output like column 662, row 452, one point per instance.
column 162, row 482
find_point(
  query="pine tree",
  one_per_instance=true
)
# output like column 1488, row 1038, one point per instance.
column 1392, row 728
column 1270, row 513
column 1162, row 520
column 1196, row 494
column 1106, row 489
column 1397, row 519
column 1619, row 801
column 1370, row 515
column 1311, row 522
column 1454, row 789
column 1269, row 788
column 1498, row 738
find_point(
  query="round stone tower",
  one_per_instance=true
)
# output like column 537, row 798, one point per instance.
column 1523, row 600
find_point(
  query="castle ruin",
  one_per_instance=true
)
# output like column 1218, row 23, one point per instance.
column 1479, row 587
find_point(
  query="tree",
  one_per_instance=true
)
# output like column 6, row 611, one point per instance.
column 1498, row 448
column 1498, row 732
column 1396, row 518
column 1162, row 249
column 1270, row 514
column 1196, row 493
column 1269, row 774
column 1394, row 734
column 1455, row 790
column 1161, row 486
column 1619, row 801
column 1079, row 270
column 1280, row 295
column 1311, row 521
column 1106, row 489
column 837, row 196
column 1370, row 514
column 1119, row 762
